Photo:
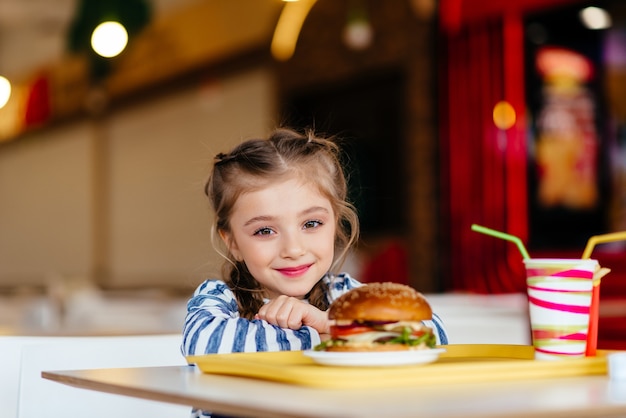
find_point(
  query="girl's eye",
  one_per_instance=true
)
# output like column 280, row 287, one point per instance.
column 263, row 231
column 312, row 224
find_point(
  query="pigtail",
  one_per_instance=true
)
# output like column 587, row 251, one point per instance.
column 318, row 295
column 246, row 289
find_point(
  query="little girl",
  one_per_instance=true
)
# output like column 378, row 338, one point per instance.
column 286, row 227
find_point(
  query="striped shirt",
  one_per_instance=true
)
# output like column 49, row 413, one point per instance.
column 213, row 324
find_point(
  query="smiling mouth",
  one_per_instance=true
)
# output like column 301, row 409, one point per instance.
column 294, row 271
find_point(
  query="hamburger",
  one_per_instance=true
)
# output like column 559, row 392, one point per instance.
column 379, row 317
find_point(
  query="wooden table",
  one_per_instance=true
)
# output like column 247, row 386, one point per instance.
column 585, row 396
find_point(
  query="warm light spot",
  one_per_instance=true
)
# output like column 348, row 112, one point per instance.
column 424, row 9
column 562, row 63
column 595, row 18
column 288, row 28
column 504, row 115
column 5, row 91
column 109, row 39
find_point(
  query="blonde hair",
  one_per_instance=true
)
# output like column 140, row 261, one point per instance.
column 256, row 163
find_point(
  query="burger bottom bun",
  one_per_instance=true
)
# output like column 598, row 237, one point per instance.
column 372, row 348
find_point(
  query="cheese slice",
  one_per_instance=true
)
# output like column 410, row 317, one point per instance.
column 368, row 337
column 415, row 326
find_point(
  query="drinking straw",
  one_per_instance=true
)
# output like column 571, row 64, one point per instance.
column 598, row 239
column 601, row 273
column 502, row 235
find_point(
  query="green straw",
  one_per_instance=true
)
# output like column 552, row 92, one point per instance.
column 502, row 235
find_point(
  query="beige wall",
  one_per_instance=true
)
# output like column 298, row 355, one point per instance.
column 120, row 199
column 46, row 205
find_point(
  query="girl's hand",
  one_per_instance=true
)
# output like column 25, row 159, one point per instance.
column 289, row 312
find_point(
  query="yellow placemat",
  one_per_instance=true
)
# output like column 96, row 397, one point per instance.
column 461, row 363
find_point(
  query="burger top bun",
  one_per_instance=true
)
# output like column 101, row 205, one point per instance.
column 381, row 302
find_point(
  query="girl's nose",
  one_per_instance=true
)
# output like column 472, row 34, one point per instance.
column 292, row 245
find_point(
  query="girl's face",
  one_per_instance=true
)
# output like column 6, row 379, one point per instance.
column 285, row 233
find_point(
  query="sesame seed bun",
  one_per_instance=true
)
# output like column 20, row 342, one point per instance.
column 381, row 302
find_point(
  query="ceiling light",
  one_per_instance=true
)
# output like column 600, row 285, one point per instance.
column 358, row 32
column 358, row 35
column 5, row 91
column 595, row 18
column 109, row 39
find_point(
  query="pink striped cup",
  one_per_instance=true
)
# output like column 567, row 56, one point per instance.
column 560, row 296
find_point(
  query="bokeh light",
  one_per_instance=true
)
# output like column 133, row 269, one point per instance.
column 5, row 91
column 595, row 18
column 288, row 28
column 504, row 115
column 109, row 39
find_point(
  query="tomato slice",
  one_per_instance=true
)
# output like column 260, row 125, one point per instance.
column 338, row 331
column 418, row 333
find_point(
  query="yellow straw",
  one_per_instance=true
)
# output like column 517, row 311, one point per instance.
column 502, row 235
column 599, row 239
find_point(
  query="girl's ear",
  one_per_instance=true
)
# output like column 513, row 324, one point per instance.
column 231, row 244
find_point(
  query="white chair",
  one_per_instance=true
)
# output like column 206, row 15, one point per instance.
column 40, row 397
column 10, row 361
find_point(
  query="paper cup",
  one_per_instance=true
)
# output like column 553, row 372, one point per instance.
column 560, row 298
column 617, row 366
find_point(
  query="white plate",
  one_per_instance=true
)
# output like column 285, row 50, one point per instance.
column 370, row 358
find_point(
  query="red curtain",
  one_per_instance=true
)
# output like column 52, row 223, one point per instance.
column 483, row 167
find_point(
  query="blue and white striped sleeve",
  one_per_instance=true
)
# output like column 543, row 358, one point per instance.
column 213, row 325
column 438, row 328
column 340, row 284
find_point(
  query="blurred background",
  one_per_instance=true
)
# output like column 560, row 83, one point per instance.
column 510, row 114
